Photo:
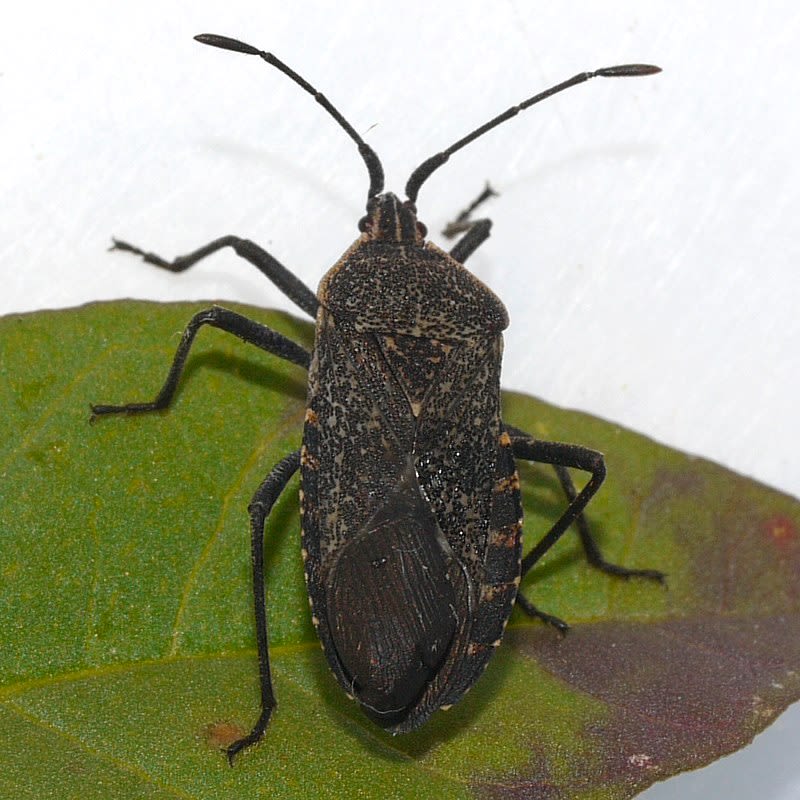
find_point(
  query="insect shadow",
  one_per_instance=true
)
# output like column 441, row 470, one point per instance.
column 248, row 370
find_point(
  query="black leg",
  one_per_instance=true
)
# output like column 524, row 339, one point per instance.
column 477, row 231
column 593, row 554
column 246, row 329
column 562, row 456
column 286, row 281
column 259, row 508
column 471, row 240
column 532, row 611
column 463, row 221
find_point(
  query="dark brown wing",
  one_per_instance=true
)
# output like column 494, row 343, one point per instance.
column 392, row 596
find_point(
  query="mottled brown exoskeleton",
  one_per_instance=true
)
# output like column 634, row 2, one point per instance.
column 410, row 499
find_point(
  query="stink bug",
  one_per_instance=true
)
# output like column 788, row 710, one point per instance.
column 410, row 499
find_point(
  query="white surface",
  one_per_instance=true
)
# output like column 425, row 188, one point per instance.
column 646, row 240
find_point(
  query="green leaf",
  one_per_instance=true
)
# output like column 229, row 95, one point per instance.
column 128, row 653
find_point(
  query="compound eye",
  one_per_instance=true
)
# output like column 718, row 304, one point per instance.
column 422, row 230
column 362, row 223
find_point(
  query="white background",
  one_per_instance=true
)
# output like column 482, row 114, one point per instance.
column 646, row 240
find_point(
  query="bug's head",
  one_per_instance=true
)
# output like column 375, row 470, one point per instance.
column 392, row 220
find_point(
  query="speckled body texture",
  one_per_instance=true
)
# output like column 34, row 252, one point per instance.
column 410, row 497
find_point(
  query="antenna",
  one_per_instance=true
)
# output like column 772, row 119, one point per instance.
column 367, row 153
column 426, row 168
